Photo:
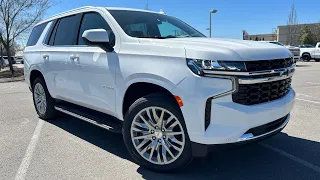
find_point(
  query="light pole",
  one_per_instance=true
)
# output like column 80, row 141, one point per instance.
column 211, row 12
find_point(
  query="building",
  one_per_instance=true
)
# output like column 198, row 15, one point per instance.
column 286, row 34
column 259, row 37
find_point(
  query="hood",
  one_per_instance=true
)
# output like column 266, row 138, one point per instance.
column 223, row 49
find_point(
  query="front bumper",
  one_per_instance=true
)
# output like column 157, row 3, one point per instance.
column 229, row 121
column 202, row 150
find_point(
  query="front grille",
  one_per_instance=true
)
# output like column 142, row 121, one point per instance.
column 257, row 131
column 268, row 64
column 250, row 94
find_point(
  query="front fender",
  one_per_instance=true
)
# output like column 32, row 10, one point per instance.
column 141, row 78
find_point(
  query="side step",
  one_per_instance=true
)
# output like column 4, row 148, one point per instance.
column 102, row 120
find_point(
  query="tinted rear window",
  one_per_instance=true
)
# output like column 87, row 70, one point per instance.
column 35, row 34
column 66, row 31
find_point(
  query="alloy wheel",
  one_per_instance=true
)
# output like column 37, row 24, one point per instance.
column 40, row 98
column 157, row 135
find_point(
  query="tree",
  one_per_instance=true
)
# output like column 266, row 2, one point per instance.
column 305, row 36
column 17, row 17
column 292, row 37
column 256, row 39
column 316, row 32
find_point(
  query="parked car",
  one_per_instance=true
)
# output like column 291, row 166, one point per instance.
column 294, row 50
column 18, row 60
column 311, row 53
column 171, row 91
column 6, row 61
column 305, row 46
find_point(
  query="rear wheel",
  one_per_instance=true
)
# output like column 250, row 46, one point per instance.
column 42, row 100
column 155, row 134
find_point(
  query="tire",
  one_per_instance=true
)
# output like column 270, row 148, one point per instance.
column 306, row 57
column 155, row 141
column 317, row 60
column 47, row 111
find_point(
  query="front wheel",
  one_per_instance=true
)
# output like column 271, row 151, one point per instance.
column 155, row 134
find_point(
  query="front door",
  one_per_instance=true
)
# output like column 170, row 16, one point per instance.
column 92, row 76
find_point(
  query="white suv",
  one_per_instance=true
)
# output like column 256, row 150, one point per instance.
column 170, row 90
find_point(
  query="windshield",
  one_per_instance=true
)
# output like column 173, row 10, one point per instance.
column 276, row 43
column 152, row 25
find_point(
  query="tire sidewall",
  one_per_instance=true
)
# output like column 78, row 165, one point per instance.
column 166, row 103
column 50, row 111
column 306, row 57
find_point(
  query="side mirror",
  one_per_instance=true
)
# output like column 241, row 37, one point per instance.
column 97, row 37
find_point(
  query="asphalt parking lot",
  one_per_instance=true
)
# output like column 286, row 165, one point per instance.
column 67, row 148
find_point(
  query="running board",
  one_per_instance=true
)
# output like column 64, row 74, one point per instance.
column 93, row 117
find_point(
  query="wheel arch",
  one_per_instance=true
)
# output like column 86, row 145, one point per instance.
column 34, row 74
column 139, row 89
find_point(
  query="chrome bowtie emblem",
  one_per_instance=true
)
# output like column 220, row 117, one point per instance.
column 284, row 72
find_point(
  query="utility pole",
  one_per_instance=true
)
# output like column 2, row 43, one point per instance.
column 211, row 12
column 147, row 5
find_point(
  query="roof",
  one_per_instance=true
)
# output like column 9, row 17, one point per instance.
column 78, row 10
column 130, row 9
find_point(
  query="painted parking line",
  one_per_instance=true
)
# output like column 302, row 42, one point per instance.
column 299, row 94
column 305, row 100
column 292, row 157
column 313, row 83
column 21, row 173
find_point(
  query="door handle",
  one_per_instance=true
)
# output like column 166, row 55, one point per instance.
column 45, row 57
column 74, row 58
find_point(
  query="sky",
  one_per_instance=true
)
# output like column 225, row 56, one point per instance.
column 233, row 16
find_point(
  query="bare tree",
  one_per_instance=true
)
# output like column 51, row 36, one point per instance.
column 293, row 31
column 17, row 17
column 1, row 56
column 316, row 32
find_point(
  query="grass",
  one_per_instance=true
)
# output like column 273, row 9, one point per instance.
column 5, row 73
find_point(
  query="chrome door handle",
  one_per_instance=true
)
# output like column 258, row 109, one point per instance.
column 74, row 58
column 45, row 57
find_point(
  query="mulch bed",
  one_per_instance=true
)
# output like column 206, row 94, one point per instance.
column 5, row 73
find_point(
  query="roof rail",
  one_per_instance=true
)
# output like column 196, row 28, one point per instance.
column 70, row 11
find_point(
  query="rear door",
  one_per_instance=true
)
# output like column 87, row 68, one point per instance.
column 56, row 54
column 92, row 78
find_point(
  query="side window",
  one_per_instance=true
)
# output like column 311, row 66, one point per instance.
column 95, row 21
column 66, row 32
column 35, row 34
column 53, row 34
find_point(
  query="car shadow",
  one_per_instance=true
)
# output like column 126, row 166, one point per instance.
column 279, row 157
column 303, row 65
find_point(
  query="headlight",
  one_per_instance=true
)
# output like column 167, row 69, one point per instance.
column 199, row 66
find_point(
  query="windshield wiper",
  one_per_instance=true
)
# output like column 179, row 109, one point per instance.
column 157, row 37
column 152, row 37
